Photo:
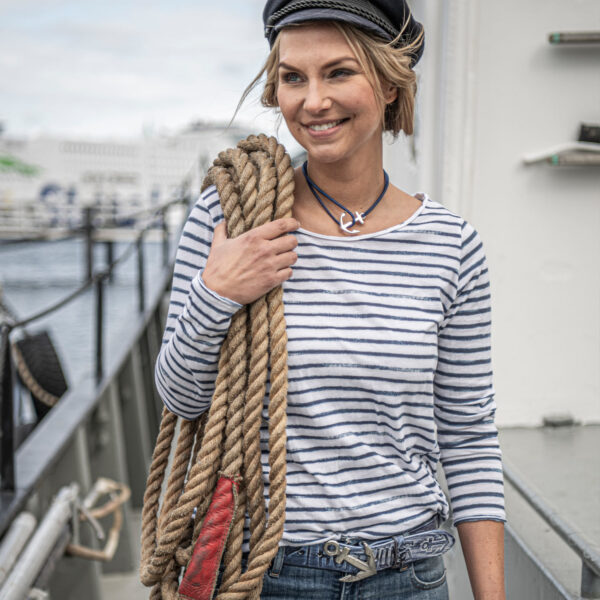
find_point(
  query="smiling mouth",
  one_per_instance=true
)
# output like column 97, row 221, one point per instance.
column 326, row 126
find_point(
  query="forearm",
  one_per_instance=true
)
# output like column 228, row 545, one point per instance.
column 483, row 548
column 186, row 367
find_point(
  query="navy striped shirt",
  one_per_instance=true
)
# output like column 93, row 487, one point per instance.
column 389, row 372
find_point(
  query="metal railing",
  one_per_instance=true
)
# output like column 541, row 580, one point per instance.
column 97, row 280
column 590, row 559
column 106, row 429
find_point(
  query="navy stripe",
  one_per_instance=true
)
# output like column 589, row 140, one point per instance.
column 389, row 371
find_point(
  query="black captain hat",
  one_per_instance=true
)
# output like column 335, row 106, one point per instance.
column 384, row 18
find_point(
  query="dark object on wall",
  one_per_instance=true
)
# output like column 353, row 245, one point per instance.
column 574, row 37
column 40, row 370
column 589, row 133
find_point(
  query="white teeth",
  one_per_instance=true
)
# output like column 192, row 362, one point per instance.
column 325, row 126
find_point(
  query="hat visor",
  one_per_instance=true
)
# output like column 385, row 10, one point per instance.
column 329, row 14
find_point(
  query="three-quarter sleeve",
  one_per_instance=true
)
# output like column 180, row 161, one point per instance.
column 464, row 395
column 197, row 321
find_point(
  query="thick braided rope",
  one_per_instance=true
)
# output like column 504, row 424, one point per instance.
column 156, row 476
column 267, row 545
column 261, row 213
column 244, row 176
column 257, row 210
column 231, row 425
column 165, row 545
column 30, row 381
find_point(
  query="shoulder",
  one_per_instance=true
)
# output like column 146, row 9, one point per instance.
column 208, row 207
column 204, row 216
column 436, row 213
column 437, row 210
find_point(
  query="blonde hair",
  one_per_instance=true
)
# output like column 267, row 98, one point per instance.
column 383, row 64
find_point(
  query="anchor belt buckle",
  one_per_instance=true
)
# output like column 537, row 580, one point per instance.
column 341, row 553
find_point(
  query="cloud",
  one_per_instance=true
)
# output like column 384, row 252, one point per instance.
column 106, row 69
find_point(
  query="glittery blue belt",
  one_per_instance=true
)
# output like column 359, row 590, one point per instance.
column 359, row 559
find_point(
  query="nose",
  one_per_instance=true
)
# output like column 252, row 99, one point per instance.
column 317, row 98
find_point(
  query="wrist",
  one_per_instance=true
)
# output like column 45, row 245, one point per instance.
column 218, row 293
column 213, row 284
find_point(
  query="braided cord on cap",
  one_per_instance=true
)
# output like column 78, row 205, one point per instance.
column 371, row 13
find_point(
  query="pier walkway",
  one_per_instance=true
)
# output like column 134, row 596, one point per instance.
column 562, row 464
column 107, row 428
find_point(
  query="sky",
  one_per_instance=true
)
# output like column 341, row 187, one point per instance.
column 106, row 69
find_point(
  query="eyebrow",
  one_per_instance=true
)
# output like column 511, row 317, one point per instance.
column 333, row 63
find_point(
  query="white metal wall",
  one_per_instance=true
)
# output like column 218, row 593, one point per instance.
column 492, row 89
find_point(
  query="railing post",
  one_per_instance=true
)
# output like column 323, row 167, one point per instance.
column 89, row 242
column 165, row 238
column 99, row 328
column 110, row 257
column 590, row 582
column 140, row 272
column 7, row 461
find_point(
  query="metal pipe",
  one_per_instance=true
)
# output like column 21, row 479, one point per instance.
column 14, row 541
column 590, row 582
column 110, row 257
column 7, row 446
column 165, row 239
column 574, row 37
column 42, row 581
column 89, row 242
column 99, row 328
column 140, row 272
column 575, row 159
column 40, row 546
column 582, row 548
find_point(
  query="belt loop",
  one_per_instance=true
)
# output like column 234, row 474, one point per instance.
column 277, row 563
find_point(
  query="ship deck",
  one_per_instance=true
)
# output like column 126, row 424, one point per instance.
column 561, row 464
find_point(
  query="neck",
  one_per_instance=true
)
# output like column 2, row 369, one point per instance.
column 356, row 186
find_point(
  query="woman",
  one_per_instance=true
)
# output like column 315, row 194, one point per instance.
column 388, row 320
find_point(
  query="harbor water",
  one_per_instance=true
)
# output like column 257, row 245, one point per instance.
column 36, row 275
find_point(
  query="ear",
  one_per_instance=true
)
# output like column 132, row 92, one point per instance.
column 390, row 93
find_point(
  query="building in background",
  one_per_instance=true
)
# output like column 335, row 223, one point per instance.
column 51, row 179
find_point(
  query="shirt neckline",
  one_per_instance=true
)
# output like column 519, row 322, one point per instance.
column 424, row 198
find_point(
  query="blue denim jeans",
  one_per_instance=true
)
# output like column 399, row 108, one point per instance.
column 422, row 580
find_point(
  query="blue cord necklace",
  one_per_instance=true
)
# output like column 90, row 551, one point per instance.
column 346, row 227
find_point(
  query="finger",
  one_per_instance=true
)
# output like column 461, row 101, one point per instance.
column 282, row 261
column 219, row 234
column 284, row 275
column 274, row 229
column 282, row 244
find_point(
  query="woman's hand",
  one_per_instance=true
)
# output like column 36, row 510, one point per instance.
column 248, row 266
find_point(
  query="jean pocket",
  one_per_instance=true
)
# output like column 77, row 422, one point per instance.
column 428, row 573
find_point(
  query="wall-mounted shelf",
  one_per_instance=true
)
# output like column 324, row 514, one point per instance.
column 574, row 37
column 569, row 154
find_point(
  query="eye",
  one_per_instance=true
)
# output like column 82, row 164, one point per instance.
column 290, row 77
column 341, row 73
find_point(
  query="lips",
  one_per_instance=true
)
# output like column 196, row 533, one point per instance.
column 325, row 126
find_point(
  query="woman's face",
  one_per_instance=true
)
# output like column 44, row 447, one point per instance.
column 325, row 97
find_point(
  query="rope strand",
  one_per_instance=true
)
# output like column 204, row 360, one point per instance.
column 255, row 182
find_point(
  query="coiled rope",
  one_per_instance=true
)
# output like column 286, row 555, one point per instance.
column 255, row 182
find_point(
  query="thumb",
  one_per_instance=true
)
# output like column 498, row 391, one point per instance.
column 219, row 235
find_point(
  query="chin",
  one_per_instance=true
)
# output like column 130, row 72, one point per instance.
column 324, row 154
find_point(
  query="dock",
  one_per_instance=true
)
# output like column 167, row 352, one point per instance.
column 106, row 428
column 561, row 464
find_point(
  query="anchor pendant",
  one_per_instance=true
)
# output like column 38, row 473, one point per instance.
column 345, row 226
